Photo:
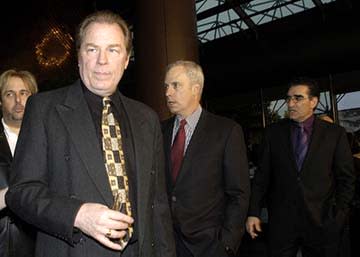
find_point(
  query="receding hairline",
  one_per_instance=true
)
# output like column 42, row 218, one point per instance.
column 104, row 17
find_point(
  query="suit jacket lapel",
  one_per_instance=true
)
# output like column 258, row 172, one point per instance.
column 4, row 145
column 167, row 148
column 196, row 141
column 5, row 158
column 142, row 162
column 315, row 140
column 288, row 145
column 78, row 121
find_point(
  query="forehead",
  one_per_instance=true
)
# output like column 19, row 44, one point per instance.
column 298, row 90
column 176, row 74
column 103, row 34
column 14, row 84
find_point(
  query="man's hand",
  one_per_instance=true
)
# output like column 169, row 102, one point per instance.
column 102, row 223
column 253, row 226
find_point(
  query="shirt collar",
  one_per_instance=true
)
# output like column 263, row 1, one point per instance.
column 96, row 100
column 307, row 124
column 191, row 120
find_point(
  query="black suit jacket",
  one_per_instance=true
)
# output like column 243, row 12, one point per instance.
column 59, row 166
column 321, row 191
column 17, row 239
column 209, row 200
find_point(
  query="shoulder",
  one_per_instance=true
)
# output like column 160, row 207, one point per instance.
column 51, row 97
column 216, row 126
column 219, row 121
column 327, row 127
column 278, row 126
column 139, row 109
column 139, row 106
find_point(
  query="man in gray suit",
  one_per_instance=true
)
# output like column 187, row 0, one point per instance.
column 61, row 179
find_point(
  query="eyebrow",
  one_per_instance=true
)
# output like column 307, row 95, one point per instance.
column 94, row 45
column 21, row 90
column 295, row 95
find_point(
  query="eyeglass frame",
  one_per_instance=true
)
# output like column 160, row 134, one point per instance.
column 296, row 98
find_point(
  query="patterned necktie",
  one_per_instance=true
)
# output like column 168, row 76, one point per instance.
column 301, row 145
column 115, row 164
column 177, row 150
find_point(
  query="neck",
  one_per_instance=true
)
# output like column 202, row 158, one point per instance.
column 14, row 126
column 185, row 115
column 308, row 117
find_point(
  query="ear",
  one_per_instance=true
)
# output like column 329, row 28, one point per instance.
column 314, row 102
column 195, row 89
column 127, row 62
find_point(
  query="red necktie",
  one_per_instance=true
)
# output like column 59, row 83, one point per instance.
column 177, row 150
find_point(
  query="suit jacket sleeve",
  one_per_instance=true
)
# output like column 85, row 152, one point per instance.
column 29, row 195
column 344, row 173
column 4, row 170
column 237, row 188
column 162, row 218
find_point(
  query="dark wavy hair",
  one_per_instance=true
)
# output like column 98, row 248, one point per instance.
column 311, row 84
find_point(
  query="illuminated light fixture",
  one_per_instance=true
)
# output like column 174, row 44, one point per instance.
column 54, row 48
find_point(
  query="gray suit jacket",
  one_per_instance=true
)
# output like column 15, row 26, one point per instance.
column 59, row 166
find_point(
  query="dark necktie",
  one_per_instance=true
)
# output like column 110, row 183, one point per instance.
column 115, row 164
column 177, row 150
column 301, row 144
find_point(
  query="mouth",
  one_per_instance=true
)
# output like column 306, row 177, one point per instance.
column 19, row 109
column 171, row 103
column 102, row 75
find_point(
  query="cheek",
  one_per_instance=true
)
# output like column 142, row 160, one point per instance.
column 7, row 105
column 25, row 99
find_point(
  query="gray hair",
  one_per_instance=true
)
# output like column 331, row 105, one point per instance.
column 193, row 71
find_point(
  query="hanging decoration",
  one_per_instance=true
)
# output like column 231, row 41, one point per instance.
column 54, row 48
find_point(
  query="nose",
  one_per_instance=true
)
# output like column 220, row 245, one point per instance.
column 168, row 91
column 17, row 97
column 102, row 58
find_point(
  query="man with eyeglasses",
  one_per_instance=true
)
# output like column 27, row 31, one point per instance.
column 305, row 179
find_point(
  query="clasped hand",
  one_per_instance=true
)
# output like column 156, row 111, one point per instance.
column 102, row 223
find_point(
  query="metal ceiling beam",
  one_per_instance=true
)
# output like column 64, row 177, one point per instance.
column 251, row 15
column 246, row 18
column 220, row 8
column 318, row 3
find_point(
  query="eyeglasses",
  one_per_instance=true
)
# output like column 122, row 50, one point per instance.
column 295, row 98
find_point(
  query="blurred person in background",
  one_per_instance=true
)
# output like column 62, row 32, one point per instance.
column 16, row 237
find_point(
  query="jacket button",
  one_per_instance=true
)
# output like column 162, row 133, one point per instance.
column 173, row 198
